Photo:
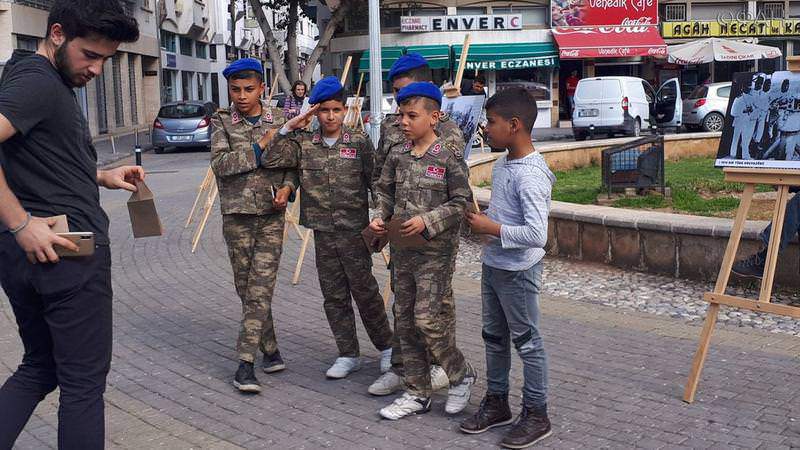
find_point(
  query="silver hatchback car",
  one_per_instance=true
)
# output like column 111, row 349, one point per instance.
column 705, row 108
column 182, row 124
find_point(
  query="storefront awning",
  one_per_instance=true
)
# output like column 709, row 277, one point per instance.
column 508, row 56
column 609, row 42
column 388, row 57
column 438, row 56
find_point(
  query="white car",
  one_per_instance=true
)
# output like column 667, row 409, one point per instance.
column 609, row 105
column 705, row 108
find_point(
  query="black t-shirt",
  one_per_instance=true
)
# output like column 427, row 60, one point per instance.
column 50, row 163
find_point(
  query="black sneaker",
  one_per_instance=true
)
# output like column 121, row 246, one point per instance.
column 273, row 363
column 245, row 379
column 528, row 429
column 494, row 412
column 752, row 266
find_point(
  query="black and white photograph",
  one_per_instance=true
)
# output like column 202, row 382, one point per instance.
column 762, row 127
column 466, row 111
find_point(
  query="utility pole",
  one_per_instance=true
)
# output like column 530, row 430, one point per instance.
column 232, row 11
column 375, row 72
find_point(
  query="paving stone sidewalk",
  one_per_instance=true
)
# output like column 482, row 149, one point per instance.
column 616, row 376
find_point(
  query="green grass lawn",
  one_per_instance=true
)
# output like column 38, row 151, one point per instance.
column 697, row 188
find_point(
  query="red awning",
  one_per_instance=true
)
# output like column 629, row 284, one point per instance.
column 609, row 42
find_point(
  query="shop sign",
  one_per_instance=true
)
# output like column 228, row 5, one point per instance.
column 172, row 61
column 490, row 22
column 584, row 13
column 522, row 63
column 731, row 28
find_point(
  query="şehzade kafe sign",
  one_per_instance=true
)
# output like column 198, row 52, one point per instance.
column 490, row 22
column 585, row 13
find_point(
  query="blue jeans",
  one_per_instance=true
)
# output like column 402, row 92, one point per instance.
column 791, row 223
column 511, row 314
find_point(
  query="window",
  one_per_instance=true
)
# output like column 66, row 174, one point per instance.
column 186, row 46
column 168, row 41
column 116, row 77
column 168, row 83
column 201, row 86
column 358, row 19
column 181, row 111
column 29, row 43
column 794, row 10
column 132, row 86
column 675, row 12
column 212, row 51
column 215, row 89
column 390, row 18
column 470, row 11
column 699, row 92
column 200, row 50
column 530, row 15
column 428, row 12
column 770, row 10
column 186, row 85
column 715, row 11
column 724, row 92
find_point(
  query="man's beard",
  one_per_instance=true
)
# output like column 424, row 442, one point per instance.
column 62, row 66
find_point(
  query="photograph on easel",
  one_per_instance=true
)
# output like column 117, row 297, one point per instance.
column 762, row 124
column 466, row 111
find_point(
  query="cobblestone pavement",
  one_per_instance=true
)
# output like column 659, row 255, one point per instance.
column 617, row 375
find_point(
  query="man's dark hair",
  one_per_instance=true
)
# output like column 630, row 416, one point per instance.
column 514, row 102
column 422, row 73
column 104, row 18
column 247, row 75
column 428, row 103
column 480, row 79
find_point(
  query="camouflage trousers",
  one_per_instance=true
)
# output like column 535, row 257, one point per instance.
column 344, row 266
column 254, row 244
column 425, row 317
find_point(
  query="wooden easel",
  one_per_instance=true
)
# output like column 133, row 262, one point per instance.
column 783, row 178
column 306, row 237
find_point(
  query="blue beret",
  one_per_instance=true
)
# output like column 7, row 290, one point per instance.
column 241, row 65
column 407, row 62
column 420, row 89
column 325, row 89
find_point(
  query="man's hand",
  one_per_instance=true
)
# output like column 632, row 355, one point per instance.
column 120, row 178
column 378, row 227
column 480, row 223
column 264, row 141
column 281, row 198
column 412, row 226
column 303, row 120
column 37, row 240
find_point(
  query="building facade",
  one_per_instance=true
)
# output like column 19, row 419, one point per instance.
column 125, row 97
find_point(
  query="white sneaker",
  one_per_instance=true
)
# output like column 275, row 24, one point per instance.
column 458, row 396
column 386, row 384
column 343, row 367
column 386, row 360
column 439, row 378
column 405, row 405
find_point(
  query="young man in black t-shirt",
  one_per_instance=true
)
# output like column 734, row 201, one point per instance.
column 47, row 168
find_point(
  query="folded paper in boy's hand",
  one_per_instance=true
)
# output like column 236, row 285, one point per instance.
column 374, row 243
column 142, row 209
column 61, row 225
column 398, row 240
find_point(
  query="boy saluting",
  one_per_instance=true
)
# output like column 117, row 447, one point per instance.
column 425, row 184
column 252, row 219
column 335, row 165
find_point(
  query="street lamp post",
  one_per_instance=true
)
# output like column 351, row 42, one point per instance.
column 375, row 73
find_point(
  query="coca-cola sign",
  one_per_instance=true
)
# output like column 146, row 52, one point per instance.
column 584, row 13
column 609, row 42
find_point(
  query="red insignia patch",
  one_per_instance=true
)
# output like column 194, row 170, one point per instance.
column 316, row 139
column 435, row 172
column 268, row 117
column 436, row 149
column 407, row 145
column 346, row 138
column 348, row 153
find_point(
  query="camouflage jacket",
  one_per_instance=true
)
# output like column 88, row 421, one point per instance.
column 392, row 136
column 434, row 186
column 244, row 186
column 334, row 180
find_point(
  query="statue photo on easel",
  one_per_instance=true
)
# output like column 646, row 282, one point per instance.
column 762, row 125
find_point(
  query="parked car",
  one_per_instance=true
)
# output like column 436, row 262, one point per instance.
column 706, row 106
column 182, row 124
column 609, row 105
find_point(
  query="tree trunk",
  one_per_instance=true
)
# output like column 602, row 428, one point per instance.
column 272, row 46
column 291, row 42
column 232, row 11
column 325, row 39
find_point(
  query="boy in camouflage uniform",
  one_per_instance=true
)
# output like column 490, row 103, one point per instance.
column 335, row 167
column 406, row 70
column 425, row 184
column 252, row 219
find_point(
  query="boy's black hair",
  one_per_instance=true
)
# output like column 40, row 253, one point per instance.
column 430, row 104
column 480, row 79
column 104, row 18
column 422, row 73
column 514, row 102
column 247, row 75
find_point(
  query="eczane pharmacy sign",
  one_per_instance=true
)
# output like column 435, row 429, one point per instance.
column 490, row 22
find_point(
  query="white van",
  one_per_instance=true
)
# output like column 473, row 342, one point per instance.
column 609, row 105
